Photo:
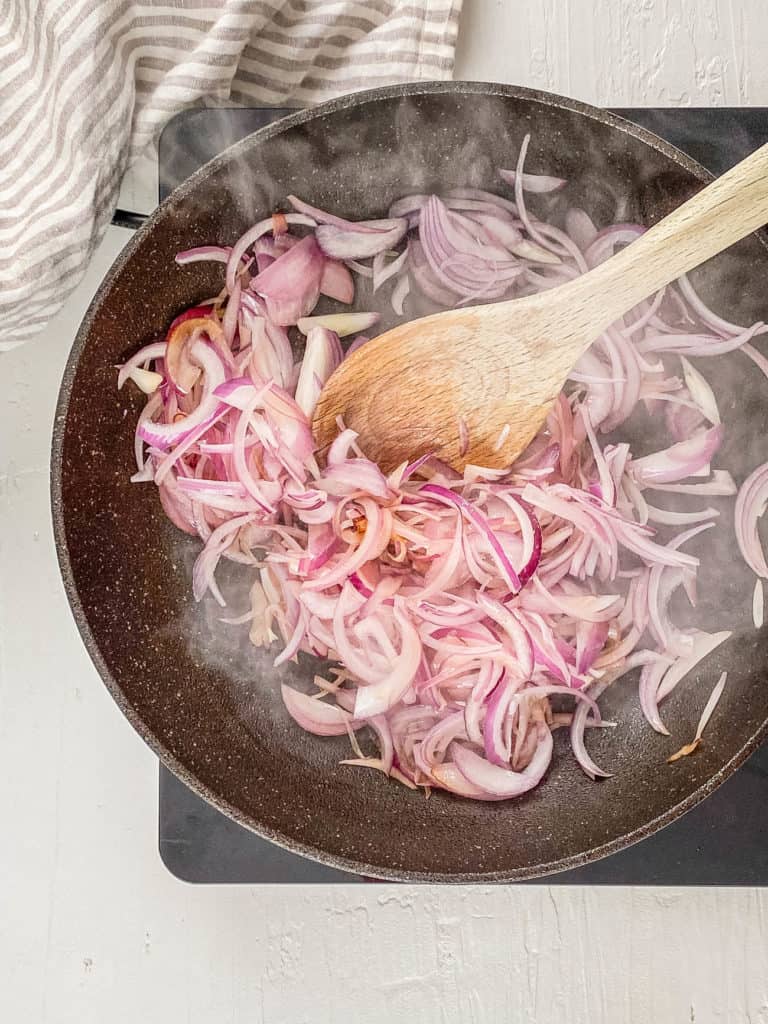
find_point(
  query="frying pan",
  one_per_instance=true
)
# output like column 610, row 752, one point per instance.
column 206, row 701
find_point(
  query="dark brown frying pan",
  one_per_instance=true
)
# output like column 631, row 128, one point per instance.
column 205, row 701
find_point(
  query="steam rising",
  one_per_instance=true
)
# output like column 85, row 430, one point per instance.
column 356, row 162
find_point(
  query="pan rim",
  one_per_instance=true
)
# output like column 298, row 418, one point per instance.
column 392, row 874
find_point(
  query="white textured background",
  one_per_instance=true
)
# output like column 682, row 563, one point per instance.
column 92, row 928
column 622, row 52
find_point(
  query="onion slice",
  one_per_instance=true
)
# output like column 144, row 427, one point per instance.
column 378, row 698
column 355, row 244
column 459, row 611
column 706, row 714
column 750, row 506
column 538, row 183
column 317, row 716
column 498, row 783
column 342, row 324
column 321, row 357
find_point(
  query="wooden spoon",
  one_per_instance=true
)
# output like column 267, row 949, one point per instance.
column 498, row 368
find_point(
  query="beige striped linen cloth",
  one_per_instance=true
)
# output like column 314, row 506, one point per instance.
column 86, row 86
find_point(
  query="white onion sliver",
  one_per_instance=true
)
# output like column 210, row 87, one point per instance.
column 758, row 604
column 711, row 704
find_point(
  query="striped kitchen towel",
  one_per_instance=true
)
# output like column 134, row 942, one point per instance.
column 86, row 85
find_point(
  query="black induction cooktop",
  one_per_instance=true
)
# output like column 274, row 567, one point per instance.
column 722, row 841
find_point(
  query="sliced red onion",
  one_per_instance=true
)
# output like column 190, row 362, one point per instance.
column 437, row 739
column 383, row 271
column 668, row 518
column 709, row 707
column 446, row 233
column 292, row 425
column 407, row 205
column 458, row 261
column 255, row 489
column 511, row 625
column 758, row 598
column 193, row 313
column 634, row 540
column 497, row 747
column 400, row 293
column 342, row 324
column 147, row 354
column 204, row 253
column 703, row 312
column 721, row 485
column 503, row 783
column 238, row 392
column 650, row 679
column 478, row 195
column 319, row 216
column 146, row 380
column 704, row 644
column 448, row 777
column 322, row 355
column 680, row 461
column 290, row 286
column 604, row 244
column 538, row 183
column 205, row 565
column 271, row 355
column 360, row 268
column 479, row 521
column 683, row 419
column 358, row 342
column 353, row 244
column 590, row 640
column 304, row 500
column 367, row 665
column 336, row 282
column 145, row 475
column 580, row 228
column 424, row 277
column 317, row 716
column 578, row 724
column 500, row 230
column 380, row 697
column 229, row 322
column 245, row 241
column 293, row 643
column 525, row 217
column 750, row 506
column 163, row 435
column 697, row 344
column 375, row 540
column 184, row 371
column 352, row 475
column 452, row 639
column 341, row 447
column 177, row 505
column 195, row 485
column 662, row 582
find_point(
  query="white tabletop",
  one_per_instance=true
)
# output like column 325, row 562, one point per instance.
column 93, row 928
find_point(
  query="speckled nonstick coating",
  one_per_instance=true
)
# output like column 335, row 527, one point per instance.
column 203, row 699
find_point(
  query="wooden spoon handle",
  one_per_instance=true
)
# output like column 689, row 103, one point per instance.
column 722, row 213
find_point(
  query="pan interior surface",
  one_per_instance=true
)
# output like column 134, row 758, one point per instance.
column 205, row 699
